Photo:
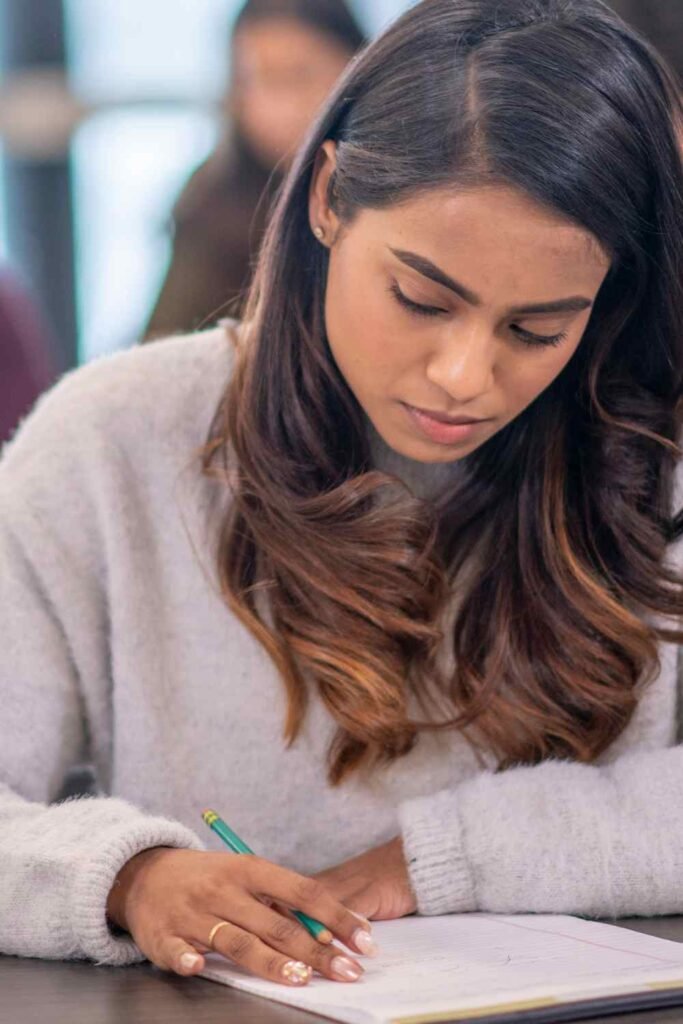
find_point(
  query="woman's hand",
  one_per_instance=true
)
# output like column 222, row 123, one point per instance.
column 375, row 884
column 169, row 900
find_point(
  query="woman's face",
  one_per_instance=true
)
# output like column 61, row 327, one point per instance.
column 463, row 304
column 282, row 73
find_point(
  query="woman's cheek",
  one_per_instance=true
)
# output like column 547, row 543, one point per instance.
column 528, row 376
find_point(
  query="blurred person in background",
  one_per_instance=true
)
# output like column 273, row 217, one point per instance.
column 660, row 21
column 285, row 57
column 26, row 368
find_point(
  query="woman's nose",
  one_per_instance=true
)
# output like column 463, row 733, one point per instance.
column 464, row 366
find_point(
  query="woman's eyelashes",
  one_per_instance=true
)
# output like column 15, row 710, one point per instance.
column 414, row 307
column 418, row 309
column 540, row 340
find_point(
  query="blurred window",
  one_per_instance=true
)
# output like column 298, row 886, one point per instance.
column 155, row 69
column 129, row 166
column 131, row 48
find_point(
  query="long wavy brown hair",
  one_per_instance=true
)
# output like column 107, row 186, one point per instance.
column 564, row 517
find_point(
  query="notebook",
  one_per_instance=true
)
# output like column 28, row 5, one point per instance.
column 488, row 968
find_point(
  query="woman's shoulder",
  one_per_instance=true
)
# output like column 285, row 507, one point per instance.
column 142, row 386
column 147, row 406
column 155, row 373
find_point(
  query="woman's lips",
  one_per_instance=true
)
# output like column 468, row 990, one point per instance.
column 443, row 431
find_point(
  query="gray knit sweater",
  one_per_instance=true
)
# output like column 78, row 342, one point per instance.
column 116, row 647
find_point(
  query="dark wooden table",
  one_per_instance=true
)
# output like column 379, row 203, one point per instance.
column 49, row 992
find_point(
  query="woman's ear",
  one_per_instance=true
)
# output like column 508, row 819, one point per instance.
column 324, row 222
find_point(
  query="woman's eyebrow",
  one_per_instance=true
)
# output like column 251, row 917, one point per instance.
column 574, row 304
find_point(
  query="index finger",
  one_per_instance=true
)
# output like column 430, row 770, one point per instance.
column 298, row 892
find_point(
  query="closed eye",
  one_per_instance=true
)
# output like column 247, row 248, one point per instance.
column 527, row 337
column 414, row 307
column 539, row 340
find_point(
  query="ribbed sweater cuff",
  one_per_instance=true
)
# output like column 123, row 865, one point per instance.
column 434, row 847
column 95, row 878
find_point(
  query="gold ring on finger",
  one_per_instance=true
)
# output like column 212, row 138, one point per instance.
column 216, row 928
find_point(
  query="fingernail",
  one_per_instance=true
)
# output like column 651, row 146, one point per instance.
column 363, row 940
column 189, row 961
column 345, row 968
column 297, row 972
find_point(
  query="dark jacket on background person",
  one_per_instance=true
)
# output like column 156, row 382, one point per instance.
column 218, row 223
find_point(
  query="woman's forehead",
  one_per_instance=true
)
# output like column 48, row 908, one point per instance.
column 478, row 232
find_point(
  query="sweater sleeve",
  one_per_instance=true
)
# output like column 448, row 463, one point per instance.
column 559, row 837
column 59, row 861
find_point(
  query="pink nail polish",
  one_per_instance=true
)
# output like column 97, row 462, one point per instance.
column 297, row 972
column 363, row 940
column 345, row 968
column 189, row 961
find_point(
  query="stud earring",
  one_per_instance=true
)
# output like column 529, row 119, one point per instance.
column 319, row 233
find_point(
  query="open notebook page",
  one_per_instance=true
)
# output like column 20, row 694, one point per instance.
column 432, row 968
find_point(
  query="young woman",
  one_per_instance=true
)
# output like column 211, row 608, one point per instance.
column 388, row 573
column 285, row 57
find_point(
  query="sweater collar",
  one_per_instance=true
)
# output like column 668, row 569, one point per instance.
column 424, row 479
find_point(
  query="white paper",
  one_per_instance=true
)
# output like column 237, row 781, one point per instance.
column 460, row 962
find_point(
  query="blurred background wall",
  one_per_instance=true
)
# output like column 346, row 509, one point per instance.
column 106, row 107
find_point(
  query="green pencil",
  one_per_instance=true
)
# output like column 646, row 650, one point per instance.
column 237, row 845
